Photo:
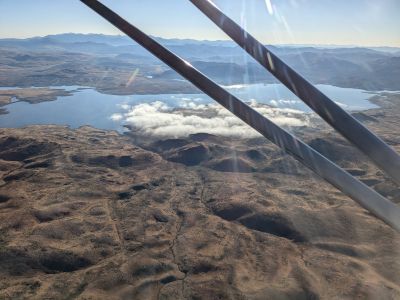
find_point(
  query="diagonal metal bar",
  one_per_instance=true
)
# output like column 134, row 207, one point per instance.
column 358, row 191
column 376, row 149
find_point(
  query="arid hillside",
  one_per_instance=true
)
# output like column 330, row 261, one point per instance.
column 92, row 214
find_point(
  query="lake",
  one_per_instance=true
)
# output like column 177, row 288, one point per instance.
column 89, row 107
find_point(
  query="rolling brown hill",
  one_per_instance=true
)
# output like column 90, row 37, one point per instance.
column 91, row 214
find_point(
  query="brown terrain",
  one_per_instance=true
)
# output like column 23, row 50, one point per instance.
column 109, row 66
column 92, row 214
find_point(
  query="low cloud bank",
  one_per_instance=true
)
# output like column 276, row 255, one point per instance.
column 158, row 119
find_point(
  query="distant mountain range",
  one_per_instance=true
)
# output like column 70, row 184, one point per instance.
column 112, row 44
column 368, row 68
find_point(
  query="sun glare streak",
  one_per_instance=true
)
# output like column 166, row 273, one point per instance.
column 133, row 77
column 270, row 61
column 269, row 7
column 243, row 21
column 212, row 3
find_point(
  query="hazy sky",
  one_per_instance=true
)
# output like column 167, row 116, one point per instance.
column 340, row 22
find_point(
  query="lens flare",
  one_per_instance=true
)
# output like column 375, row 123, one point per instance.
column 269, row 7
column 133, row 77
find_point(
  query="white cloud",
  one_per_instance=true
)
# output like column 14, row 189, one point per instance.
column 192, row 105
column 158, row 119
column 274, row 103
column 116, row 117
column 235, row 86
column 288, row 101
column 124, row 106
column 283, row 102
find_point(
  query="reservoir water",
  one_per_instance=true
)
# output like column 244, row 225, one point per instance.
column 88, row 107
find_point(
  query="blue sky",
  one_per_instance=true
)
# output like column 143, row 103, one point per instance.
column 340, row 22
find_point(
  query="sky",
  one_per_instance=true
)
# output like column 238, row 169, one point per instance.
column 316, row 22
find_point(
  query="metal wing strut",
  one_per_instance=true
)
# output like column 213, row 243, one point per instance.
column 358, row 191
column 377, row 150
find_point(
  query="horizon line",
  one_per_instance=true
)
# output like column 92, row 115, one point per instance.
column 204, row 40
